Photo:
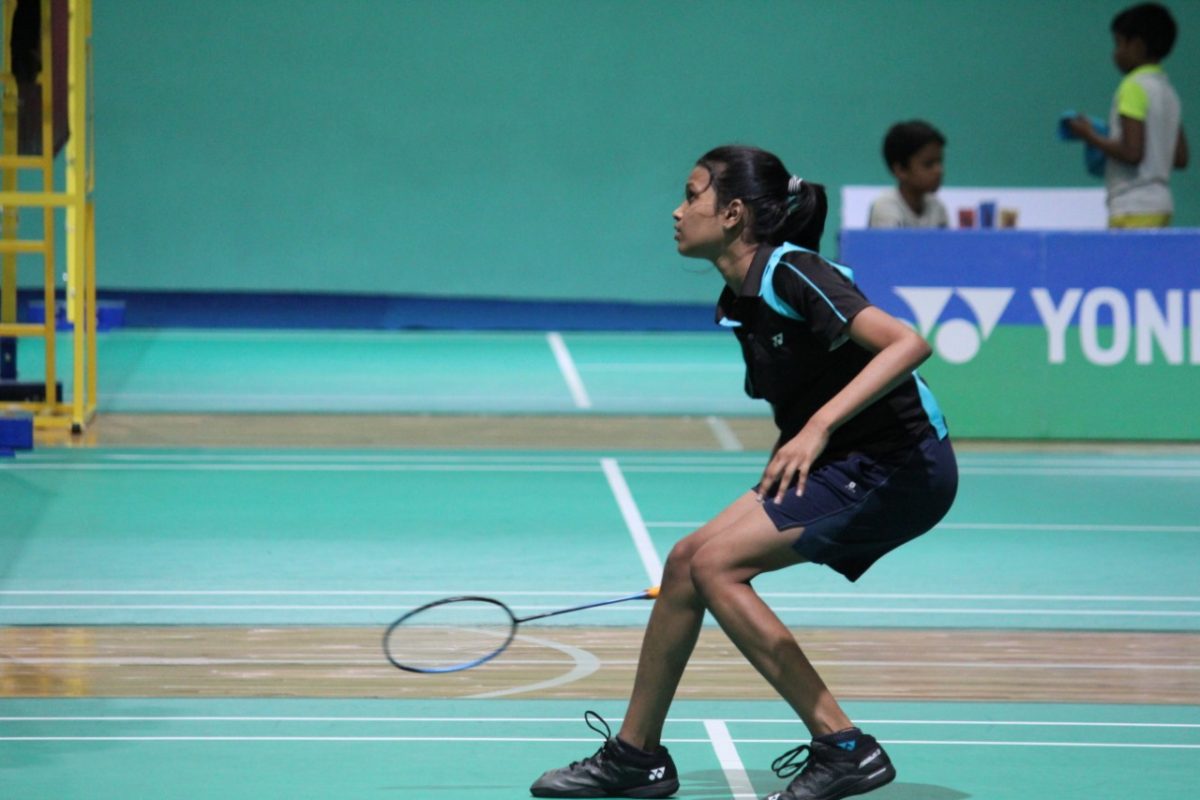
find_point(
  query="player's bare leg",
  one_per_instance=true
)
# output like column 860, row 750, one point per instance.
column 841, row 760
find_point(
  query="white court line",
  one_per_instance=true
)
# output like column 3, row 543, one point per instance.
column 1100, row 472
column 297, row 401
column 348, row 465
column 575, row 720
column 276, row 467
column 724, row 434
column 1072, row 526
column 583, row 665
column 659, row 367
column 731, row 762
column 633, row 520
column 963, row 470
column 507, row 593
column 441, row 592
column 991, row 743
column 527, row 739
column 1016, row 612
column 747, row 461
column 403, row 337
column 1011, row 526
column 333, row 456
column 567, row 366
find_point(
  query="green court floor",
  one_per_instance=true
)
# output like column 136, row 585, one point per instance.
column 444, row 372
column 110, row 536
column 485, row 750
column 267, row 537
column 1038, row 541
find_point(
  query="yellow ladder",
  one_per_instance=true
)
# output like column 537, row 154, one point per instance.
column 51, row 410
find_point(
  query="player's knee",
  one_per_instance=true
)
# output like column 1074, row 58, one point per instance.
column 709, row 570
column 678, row 567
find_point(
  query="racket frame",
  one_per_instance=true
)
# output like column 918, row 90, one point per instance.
column 648, row 594
column 475, row 662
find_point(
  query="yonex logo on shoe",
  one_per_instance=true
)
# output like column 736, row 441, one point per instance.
column 777, row 340
column 850, row 745
column 657, row 773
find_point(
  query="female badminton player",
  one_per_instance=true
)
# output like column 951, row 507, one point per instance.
column 862, row 465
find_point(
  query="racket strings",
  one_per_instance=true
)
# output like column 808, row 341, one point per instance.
column 450, row 635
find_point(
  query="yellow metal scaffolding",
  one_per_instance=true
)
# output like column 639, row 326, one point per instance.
column 78, row 178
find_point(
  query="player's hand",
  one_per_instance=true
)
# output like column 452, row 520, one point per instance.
column 792, row 462
column 1081, row 126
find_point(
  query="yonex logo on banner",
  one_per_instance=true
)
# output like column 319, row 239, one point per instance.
column 956, row 340
column 1111, row 324
column 1149, row 323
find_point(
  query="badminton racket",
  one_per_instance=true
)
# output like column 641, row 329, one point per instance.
column 458, row 633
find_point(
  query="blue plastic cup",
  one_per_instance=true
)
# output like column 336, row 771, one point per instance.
column 987, row 214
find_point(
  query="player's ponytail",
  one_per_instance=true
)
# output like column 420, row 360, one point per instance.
column 805, row 221
column 782, row 208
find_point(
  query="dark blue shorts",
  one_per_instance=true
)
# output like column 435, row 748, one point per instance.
column 859, row 508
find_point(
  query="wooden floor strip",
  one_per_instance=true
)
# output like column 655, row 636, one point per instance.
column 859, row 663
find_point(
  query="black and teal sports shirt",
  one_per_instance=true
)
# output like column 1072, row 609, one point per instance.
column 792, row 318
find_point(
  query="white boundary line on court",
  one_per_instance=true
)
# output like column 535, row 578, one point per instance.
column 1012, row 526
column 528, row 739
column 352, row 464
column 349, row 465
column 441, row 592
column 679, row 458
column 575, row 720
column 633, row 520
column 1016, row 612
column 749, row 460
column 724, row 434
column 731, row 763
column 585, row 664
column 570, row 374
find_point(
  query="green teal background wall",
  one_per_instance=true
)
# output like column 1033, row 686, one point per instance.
column 536, row 149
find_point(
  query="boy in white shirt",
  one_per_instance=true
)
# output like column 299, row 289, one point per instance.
column 914, row 152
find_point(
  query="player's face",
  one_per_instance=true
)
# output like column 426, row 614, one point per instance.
column 698, row 230
column 925, row 169
column 1127, row 53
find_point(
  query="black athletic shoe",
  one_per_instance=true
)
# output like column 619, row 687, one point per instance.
column 831, row 772
column 616, row 770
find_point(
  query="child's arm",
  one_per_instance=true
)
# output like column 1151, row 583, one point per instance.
column 1129, row 148
column 1181, row 151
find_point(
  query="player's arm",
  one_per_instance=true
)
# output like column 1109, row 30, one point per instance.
column 1129, row 147
column 898, row 351
column 1181, row 151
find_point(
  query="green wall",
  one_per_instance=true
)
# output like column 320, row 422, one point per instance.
column 536, row 149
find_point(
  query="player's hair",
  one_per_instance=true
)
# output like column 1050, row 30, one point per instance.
column 1150, row 22
column 904, row 139
column 759, row 179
